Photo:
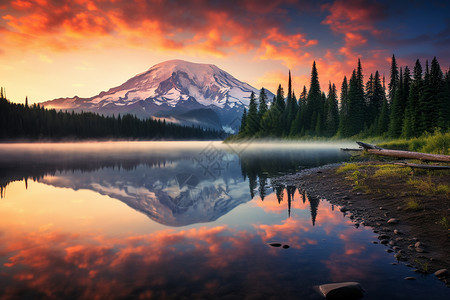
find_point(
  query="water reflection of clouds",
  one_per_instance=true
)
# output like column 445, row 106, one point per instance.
column 44, row 263
column 58, row 264
column 170, row 263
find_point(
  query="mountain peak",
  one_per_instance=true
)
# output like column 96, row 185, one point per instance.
column 167, row 89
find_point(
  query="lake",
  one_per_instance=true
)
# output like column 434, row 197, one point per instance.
column 181, row 220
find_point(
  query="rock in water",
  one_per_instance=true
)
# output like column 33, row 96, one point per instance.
column 342, row 290
column 275, row 244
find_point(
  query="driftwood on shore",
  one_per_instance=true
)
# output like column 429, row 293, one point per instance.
column 404, row 154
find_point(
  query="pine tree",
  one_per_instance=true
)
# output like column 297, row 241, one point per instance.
column 262, row 103
column 425, row 98
column 297, row 123
column 343, row 110
column 252, row 119
column 383, row 119
column 243, row 122
column 294, row 129
column 437, row 103
column 352, row 105
column 411, row 123
column 398, row 108
column 332, row 115
column 314, row 108
column 262, row 109
column 291, row 108
column 375, row 102
column 356, row 104
column 278, row 110
column 302, row 98
column 272, row 121
column 370, row 88
column 431, row 101
column 302, row 109
column 394, row 80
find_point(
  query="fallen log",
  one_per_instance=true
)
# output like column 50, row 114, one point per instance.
column 417, row 166
column 404, row 154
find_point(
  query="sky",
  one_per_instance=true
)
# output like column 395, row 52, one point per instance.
column 62, row 48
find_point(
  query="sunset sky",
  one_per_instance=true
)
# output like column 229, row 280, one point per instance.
column 62, row 48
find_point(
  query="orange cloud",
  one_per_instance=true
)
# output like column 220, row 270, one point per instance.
column 289, row 48
column 193, row 27
column 354, row 20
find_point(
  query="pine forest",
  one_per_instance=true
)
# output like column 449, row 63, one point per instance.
column 413, row 102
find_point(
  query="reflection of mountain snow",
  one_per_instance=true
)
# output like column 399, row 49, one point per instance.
column 177, row 194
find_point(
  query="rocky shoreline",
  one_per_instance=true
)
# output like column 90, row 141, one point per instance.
column 423, row 246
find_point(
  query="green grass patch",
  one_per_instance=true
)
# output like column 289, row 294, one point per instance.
column 427, row 187
column 443, row 189
column 412, row 205
column 444, row 222
column 392, row 171
column 348, row 167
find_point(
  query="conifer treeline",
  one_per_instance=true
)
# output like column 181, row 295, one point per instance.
column 415, row 103
column 18, row 121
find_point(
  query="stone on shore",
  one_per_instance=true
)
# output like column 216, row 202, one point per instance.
column 383, row 237
column 392, row 221
column 441, row 273
column 342, row 290
column 419, row 250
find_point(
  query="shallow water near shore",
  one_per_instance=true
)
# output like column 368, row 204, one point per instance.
column 182, row 220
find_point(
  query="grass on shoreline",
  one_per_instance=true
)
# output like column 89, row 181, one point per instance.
column 436, row 143
column 420, row 181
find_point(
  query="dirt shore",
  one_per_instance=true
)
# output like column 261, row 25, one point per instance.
column 409, row 211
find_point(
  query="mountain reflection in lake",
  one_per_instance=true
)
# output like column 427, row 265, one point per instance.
column 202, row 219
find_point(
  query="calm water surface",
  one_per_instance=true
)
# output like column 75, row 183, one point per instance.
column 181, row 220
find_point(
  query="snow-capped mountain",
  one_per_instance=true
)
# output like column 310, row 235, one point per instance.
column 175, row 90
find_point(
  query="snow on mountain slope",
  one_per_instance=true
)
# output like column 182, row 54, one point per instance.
column 168, row 89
